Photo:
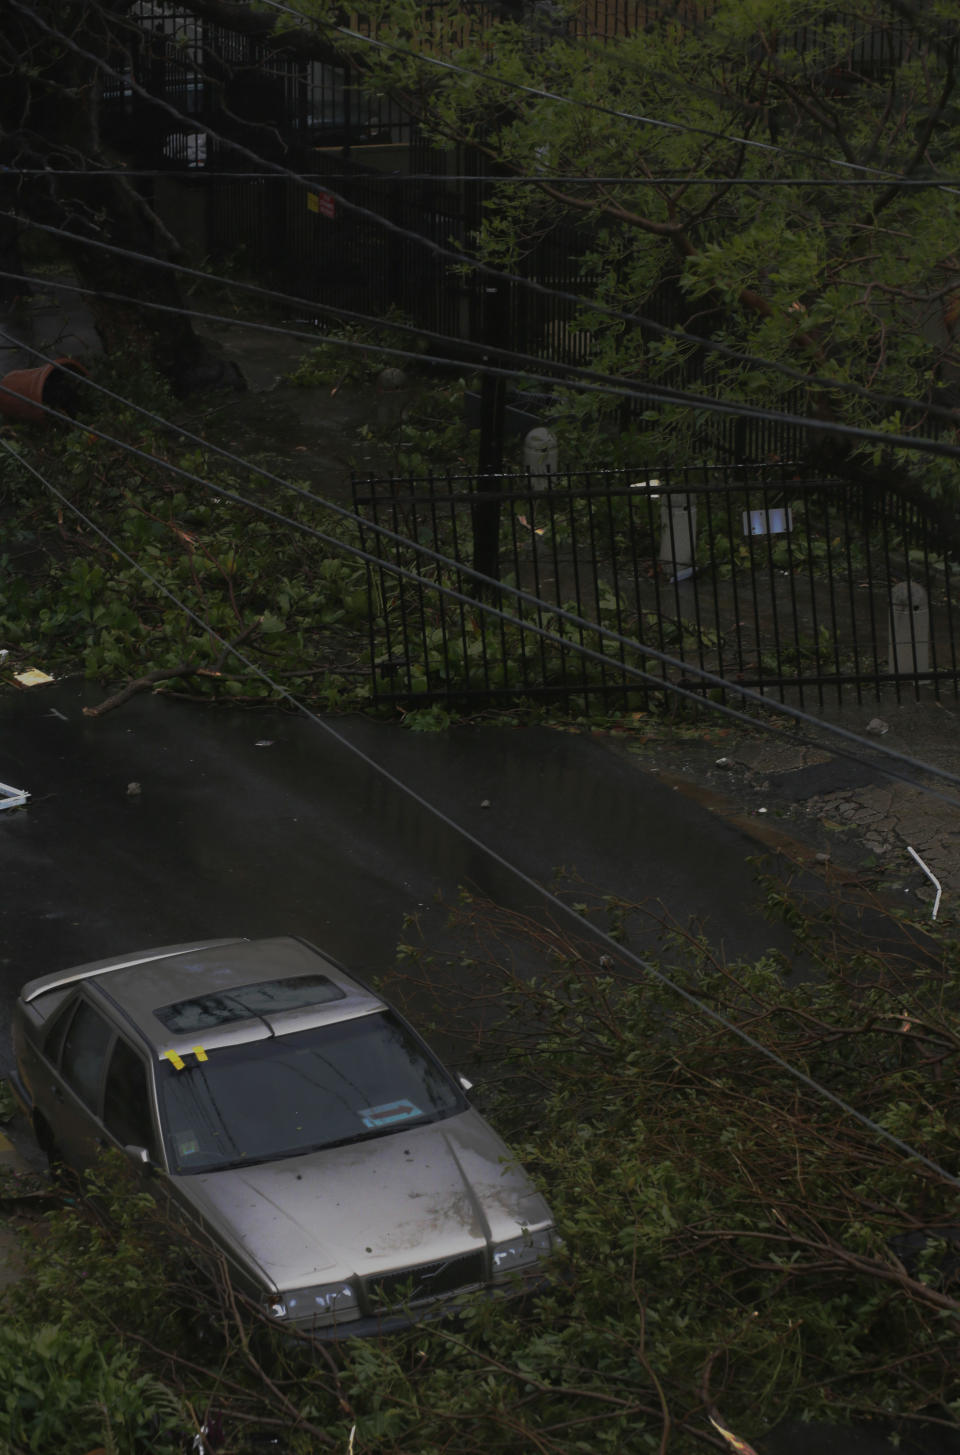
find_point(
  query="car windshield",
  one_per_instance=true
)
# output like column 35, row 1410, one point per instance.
column 286, row 1095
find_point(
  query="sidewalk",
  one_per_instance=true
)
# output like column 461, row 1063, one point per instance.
column 835, row 800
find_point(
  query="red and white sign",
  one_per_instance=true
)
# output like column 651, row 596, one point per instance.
column 323, row 202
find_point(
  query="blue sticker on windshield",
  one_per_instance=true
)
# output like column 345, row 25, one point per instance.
column 374, row 1117
column 187, row 1144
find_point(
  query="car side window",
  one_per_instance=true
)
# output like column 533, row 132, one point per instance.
column 126, row 1100
column 53, row 1042
column 84, row 1052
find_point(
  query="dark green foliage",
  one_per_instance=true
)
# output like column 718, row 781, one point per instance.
column 695, row 161
column 70, row 601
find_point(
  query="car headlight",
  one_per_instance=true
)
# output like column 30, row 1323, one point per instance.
column 520, row 1252
column 325, row 1303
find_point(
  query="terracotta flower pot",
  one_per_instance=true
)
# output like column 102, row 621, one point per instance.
column 23, row 391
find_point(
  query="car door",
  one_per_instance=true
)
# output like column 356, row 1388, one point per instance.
column 129, row 1117
column 76, row 1055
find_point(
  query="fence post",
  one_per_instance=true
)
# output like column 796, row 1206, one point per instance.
column 909, row 629
column 493, row 402
column 678, row 534
column 540, row 457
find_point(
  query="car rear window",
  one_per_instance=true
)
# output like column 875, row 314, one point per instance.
column 287, row 1095
column 267, row 997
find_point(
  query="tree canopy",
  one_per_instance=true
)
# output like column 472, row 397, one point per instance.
column 757, row 197
column 761, row 177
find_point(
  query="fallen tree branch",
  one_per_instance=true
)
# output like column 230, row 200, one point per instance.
column 165, row 674
column 140, row 684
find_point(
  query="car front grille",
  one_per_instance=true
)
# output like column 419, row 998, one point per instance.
column 429, row 1281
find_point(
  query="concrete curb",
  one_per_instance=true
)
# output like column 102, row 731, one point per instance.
column 9, row 1156
column 11, row 1257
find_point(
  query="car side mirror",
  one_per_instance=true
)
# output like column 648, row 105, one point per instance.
column 138, row 1155
column 464, row 1084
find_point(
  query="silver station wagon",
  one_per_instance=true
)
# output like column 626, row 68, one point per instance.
column 292, row 1116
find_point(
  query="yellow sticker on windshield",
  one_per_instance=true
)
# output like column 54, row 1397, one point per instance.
column 176, row 1061
column 200, row 1053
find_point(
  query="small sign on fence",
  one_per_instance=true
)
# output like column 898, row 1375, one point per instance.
column 323, row 202
column 775, row 521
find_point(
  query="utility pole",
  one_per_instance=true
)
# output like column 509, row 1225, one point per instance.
column 493, row 401
column 489, row 319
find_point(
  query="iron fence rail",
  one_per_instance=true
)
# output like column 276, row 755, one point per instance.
column 791, row 586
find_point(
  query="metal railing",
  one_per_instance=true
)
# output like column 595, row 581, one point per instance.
column 790, row 586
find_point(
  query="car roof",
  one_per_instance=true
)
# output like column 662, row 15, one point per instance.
column 139, row 985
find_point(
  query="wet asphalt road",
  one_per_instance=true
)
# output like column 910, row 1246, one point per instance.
column 227, row 837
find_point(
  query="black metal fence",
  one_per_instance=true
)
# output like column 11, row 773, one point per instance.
column 355, row 243
column 793, row 587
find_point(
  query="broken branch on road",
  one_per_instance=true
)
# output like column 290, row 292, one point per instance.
column 167, row 674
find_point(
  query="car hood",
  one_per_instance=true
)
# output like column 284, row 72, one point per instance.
column 392, row 1202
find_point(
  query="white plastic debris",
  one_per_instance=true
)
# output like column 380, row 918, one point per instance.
column 11, row 797
column 32, row 677
column 933, row 880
